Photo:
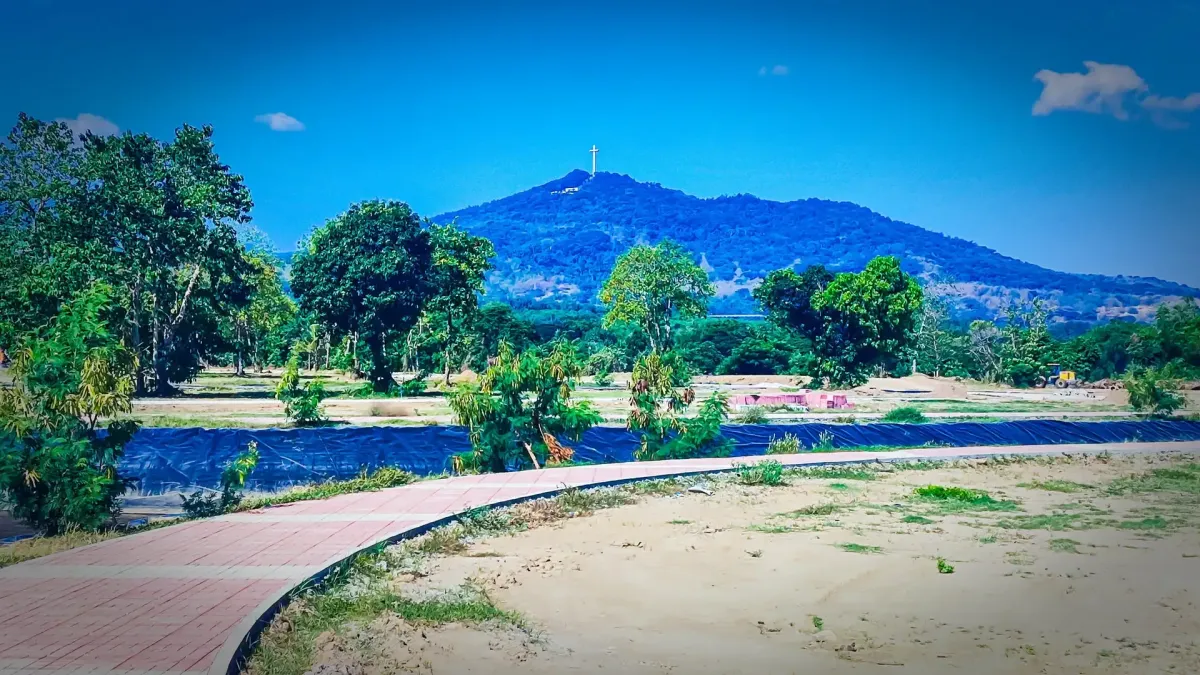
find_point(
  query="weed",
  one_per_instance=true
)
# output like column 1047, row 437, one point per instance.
column 831, row 473
column 1054, row 486
column 383, row 477
column 586, row 501
column 859, row 548
column 483, row 520
column 770, row 529
column 818, row 623
column 1018, row 558
column 917, row 520
column 752, row 415
column 905, row 415
column 944, row 567
column 838, row 486
column 1064, row 545
column 1182, row 479
column 1054, row 522
column 445, row 540
column 788, row 445
column 824, row 442
column 955, row 499
column 1153, row 523
column 679, row 522
column 767, row 472
column 28, row 549
column 990, row 539
column 814, row 510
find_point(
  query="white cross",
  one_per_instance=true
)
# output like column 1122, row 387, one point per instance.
column 594, row 151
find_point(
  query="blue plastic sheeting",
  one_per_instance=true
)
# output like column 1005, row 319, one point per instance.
column 167, row 460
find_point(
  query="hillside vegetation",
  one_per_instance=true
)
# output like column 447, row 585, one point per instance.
column 558, row 247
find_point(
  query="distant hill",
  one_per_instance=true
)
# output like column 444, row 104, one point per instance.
column 556, row 243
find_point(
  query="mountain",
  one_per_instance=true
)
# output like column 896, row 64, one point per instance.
column 556, row 243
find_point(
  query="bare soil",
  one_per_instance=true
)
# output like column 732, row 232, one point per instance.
column 738, row 582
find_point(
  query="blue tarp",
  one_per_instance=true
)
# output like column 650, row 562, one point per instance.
column 166, row 460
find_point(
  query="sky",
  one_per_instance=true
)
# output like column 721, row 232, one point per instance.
column 1064, row 133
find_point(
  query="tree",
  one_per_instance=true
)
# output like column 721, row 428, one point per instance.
column 520, row 405
column 650, row 285
column 367, row 272
column 1152, row 392
column 57, row 471
column 932, row 348
column 1026, row 344
column 269, row 310
column 460, row 263
column 856, row 322
column 660, row 394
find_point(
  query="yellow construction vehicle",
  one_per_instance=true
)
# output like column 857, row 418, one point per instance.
column 1059, row 378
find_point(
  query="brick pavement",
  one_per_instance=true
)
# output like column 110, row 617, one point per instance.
column 188, row 598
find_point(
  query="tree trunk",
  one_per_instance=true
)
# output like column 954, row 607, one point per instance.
column 449, row 340
column 381, row 374
column 135, row 337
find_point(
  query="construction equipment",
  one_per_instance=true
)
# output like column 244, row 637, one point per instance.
column 1059, row 378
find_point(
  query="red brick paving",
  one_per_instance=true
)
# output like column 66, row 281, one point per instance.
column 123, row 606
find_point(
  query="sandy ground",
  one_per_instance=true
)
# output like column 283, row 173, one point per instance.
column 726, row 584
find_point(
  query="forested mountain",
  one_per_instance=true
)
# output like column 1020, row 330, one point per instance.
column 556, row 243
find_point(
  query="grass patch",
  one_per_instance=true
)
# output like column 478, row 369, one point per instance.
column 838, row 486
column 382, row 478
column 37, row 547
column 1181, row 479
column 831, row 473
column 1055, row 486
column 679, row 522
column 944, row 567
column 1053, row 522
column 770, row 529
column 905, row 415
column 1152, row 523
column 446, row 540
column 859, row 548
column 917, row 520
column 768, row 472
column 814, row 510
column 957, row 499
column 578, row 501
column 818, row 623
column 990, row 539
column 289, row 646
column 1064, row 545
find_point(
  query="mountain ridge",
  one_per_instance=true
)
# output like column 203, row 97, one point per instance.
column 557, row 241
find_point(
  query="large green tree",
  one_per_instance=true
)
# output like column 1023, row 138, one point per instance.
column 367, row 272
column 857, row 322
column 460, row 263
column 650, row 285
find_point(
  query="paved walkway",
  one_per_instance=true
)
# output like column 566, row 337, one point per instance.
column 188, row 598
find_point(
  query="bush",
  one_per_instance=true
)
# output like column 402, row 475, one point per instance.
column 603, row 377
column 905, row 415
column 788, row 445
column 302, row 405
column 205, row 505
column 766, row 472
column 414, row 387
column 1150, row 391
column 57, row 471
column 752, row 415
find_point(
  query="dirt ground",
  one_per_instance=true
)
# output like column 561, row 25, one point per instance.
column 741, row 581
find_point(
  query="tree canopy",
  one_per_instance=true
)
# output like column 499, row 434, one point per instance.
column 651, row 285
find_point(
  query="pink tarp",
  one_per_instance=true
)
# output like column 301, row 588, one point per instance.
column 808, row 400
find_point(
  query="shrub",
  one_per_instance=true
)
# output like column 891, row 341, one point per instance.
column 824, row 442
column 767, row 472
column 302, row 405
column 660, row 393
column 57, row 471
column 752, row 415
column 603, row 377
column 788, row 445
column 205, row 505
column 414, row 387
column 1152, row 392
column 905, row 415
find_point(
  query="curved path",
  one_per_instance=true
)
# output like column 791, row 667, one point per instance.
column 190, row 598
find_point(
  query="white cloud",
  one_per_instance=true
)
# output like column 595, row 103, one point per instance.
column 86, row 122
column 778, row 70
column 1104, row 89
column 279, row 121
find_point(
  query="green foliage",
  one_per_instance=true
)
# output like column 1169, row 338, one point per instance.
column 1026, row 344
column 856, row 322
column 766, row 351
column 905, row 415
column 1151, row 392
column 301, row 404
column 57, row 472
column 368, row 272
column 953, row 499
column 766, row 472
column 789, row 444
column 650, row 285
column 203, row 504
column 754, row 414
column 382, row 478
column 460, row 263
column 414, row 387
column 660, row 394
column 521, row 405
column 944, row 567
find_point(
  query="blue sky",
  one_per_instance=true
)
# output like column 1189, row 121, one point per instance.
column 962, row 117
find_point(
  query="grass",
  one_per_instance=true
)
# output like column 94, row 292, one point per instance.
column 831, row 473
column 207, row 422
column 818, row 623
column 1064, row 545
column 956, row 499
column 1053, row 522
column 1153, row 523
column 838, row 486
column 859, row 548
column 768, row 472
column 28, row 549
column 383, row 477
column 944, row 567
column 905, row 415
column 917, row 520
column 1183, row 479
column 789, row 444
column 813, row 510
column 679, row 522
column 1055, row 486
column 770, row 529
